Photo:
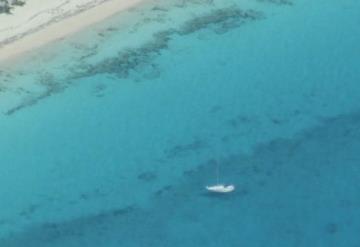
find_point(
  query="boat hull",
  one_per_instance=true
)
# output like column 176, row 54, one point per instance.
column 220, row 188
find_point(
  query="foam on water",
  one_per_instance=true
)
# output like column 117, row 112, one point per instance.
column 107, row 138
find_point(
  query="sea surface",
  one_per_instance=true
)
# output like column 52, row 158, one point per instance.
column 108, row 137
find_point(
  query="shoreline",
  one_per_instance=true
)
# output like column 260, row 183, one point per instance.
column 56, row 27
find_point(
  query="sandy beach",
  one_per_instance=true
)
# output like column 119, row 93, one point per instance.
column 40, row 22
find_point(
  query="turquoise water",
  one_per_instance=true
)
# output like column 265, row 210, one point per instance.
column 108, row 138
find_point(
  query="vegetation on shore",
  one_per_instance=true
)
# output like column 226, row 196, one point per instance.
column 7, row 5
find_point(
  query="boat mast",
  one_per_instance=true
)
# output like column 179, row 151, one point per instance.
column 217, row 172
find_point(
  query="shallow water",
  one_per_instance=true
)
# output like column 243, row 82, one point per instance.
column 108, row 138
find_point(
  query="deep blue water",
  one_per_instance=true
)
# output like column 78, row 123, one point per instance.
column 108, row 138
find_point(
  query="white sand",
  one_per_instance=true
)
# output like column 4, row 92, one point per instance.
column 41, row 21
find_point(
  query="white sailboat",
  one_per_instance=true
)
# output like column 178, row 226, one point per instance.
column 219, row 187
